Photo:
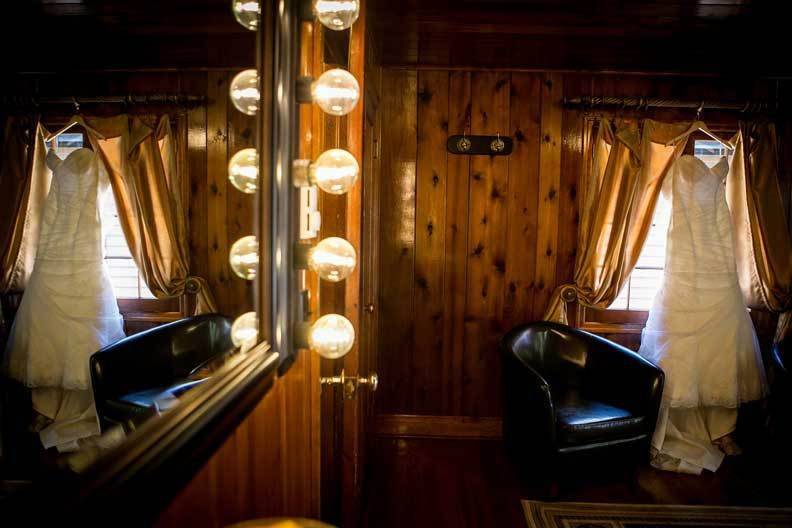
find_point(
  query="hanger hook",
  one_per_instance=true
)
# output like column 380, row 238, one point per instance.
column 699, row 109
column 76, row 105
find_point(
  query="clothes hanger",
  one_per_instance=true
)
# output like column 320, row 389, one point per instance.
column 76, row 120
column 700, row 126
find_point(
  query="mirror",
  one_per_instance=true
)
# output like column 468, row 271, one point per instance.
column 145, row 267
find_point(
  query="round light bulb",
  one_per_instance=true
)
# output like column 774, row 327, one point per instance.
column 246, row 13
column 332, row 336
column 335, row 171
column 336, row 14
column 333, row 259
column 244, row 92
column 244, row 257
column 244, row 330
column 243, row 170
column 336, row 92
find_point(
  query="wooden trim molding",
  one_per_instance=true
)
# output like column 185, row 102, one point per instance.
column 428, row 426
column 152, row 317
column 612, row 328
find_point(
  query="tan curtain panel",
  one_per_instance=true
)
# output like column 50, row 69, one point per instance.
column 142, row 165
column 24, row 180
column 761, row 236
column 620, row 188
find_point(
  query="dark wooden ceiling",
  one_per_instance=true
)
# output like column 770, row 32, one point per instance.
column 693, row 36
column 744, row 37
column 58, row 35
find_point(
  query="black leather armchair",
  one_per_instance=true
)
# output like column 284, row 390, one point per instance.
column 137, row 376
column 568, row 391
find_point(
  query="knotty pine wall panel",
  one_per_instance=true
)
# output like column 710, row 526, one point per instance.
column 471, row 246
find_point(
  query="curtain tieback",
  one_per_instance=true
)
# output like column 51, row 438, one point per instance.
column 198, row 286
column 557, row 310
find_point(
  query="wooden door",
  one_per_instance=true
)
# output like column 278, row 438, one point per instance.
column 360, row 290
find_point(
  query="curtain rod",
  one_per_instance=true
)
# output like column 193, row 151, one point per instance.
column 645, row 103
column 131, row 99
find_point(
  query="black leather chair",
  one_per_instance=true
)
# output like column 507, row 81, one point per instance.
column 137, row 376
column 568, row 391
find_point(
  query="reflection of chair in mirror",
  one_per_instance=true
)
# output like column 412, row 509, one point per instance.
column 144, row 374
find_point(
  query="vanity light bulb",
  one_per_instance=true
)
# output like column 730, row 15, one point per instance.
column 336, row 92
column 333, row 259
column 336, row 14
column 244, row 257
column 244, row 330
column 335, row 171
column 332, row 336
column 244, row 92
column 243, row 170
column 246, row 13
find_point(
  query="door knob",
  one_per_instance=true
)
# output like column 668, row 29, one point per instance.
column 351, row 383
column 369, row 307
column 372, row 381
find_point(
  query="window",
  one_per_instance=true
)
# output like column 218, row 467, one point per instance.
column 124, row 274
column 647, row 277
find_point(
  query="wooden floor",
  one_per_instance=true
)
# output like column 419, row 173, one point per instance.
column 469, row 483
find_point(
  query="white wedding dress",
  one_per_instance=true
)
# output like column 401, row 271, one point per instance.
column 699, row 330
column 68, row 310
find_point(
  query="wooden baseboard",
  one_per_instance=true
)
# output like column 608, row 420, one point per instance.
column 429, row 426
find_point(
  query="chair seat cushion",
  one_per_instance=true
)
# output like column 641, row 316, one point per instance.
column 583, row 421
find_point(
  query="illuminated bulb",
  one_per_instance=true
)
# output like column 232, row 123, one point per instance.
column 332, row 336
column 335, row 171
column 336, row 14
column 244, row 92
column 336, row 92
column 246, row 13
column 243, row 170
column 333, row 259
column 244, row 257
column 244, row 331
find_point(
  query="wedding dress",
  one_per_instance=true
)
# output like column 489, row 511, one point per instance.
column 68, row 310
column 699, row 330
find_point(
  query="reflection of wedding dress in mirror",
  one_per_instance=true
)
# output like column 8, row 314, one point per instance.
column 68, row 310
column 699, row 330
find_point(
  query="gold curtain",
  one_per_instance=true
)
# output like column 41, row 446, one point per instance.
column 620, row 188
column 142, row 165
column 24, row 180
column 762, row 242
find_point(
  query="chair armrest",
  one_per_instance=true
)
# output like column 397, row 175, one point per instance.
column 528, row 417
column 617, row 375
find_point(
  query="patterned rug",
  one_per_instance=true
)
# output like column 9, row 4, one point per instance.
column 594, row 515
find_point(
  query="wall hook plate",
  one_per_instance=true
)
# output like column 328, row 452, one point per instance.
column 480, row 145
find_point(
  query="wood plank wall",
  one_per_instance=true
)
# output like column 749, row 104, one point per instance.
column 472, row 245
